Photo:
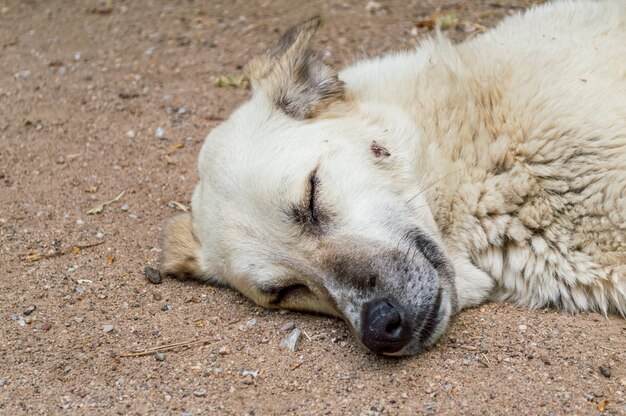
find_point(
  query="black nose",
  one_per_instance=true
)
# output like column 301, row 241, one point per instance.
column 384, row 327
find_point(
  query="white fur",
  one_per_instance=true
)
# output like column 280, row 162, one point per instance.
column 508, row 151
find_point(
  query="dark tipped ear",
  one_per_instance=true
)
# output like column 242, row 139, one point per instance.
column 181, row 249
column 293, row 77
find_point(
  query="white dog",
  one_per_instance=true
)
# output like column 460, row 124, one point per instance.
column 405, row 188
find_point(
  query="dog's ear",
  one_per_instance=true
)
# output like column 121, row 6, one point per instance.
column 293, row 77
column 180, row 249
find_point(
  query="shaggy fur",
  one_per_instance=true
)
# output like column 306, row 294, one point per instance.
column 444, row 177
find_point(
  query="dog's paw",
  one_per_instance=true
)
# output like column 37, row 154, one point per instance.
column 180, row 249
column 473, row 285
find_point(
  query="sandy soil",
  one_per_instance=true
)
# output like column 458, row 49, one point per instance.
column 75, row 79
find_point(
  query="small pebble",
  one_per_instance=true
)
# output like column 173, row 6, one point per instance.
column 80, row 290
column 21, row 322
column 165, row 308
column 605, row 371
column 160, row 133
column 99, row 234
column 404, row 395
column 44, row 326
column 2, row 382
column 253, row 373
column 125, row 207
column 159, row 356
column 107, row 328
column 223, row 351
column 77, row 56
column 80, row 222
column 291, row 341
column 23, row 74
column 79, row 319
column 251, row 322
column 130, row 133
column 153, row 275
column 157, row 296
column 522, row 328
column 373, row 7
column 200, row 393
column 182, row 110
column 289, row 326
column 29, row 310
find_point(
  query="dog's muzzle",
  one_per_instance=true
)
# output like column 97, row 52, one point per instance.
column 385, row 328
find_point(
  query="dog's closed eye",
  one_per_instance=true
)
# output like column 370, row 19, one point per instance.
column 297, row 290
column 283, row 294
column 308, row 212
column 313, row 182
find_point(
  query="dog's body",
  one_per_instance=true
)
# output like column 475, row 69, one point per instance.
column 414, row 185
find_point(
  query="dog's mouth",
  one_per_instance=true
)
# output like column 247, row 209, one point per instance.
column 412, row 308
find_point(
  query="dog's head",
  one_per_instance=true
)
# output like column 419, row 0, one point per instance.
column 308, row 200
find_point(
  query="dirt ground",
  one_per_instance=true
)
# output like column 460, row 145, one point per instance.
column 84, row 87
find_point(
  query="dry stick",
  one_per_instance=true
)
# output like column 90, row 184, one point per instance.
column 609, row 349
column 37, row 257
column 163, row 348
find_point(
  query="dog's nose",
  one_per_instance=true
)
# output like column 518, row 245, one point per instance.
column 385, row 328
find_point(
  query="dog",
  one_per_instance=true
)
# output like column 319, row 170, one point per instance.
column 405, row 188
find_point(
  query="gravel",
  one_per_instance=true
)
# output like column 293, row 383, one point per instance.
column 200, row 393
column 153, row 275
column 29, row 310
column 159, row 356
column 291, row 341
column 289, row 326
column 605, row 371
column 107, row 328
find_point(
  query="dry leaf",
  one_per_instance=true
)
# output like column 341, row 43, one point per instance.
column 174, row 147
column 234, row 81
column 110, row 259
column 99, row 208
column 448, row 21
column 602, row 405
column 92, row 189
column 75, row 250
column 445, row 21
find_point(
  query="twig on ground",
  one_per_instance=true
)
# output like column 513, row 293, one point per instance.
column 163, row 348
column 75, row 249
column 99, row 208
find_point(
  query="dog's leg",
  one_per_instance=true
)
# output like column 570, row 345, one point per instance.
column 473, row 285
column 181, row 249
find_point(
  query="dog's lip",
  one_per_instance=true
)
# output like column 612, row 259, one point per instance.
column 433, row 318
